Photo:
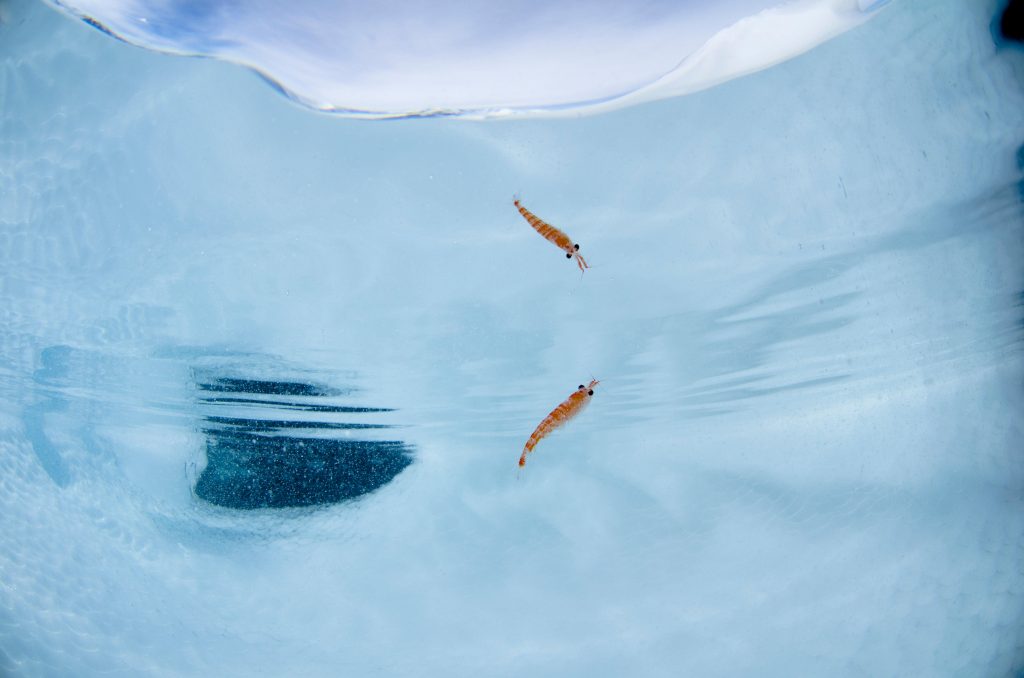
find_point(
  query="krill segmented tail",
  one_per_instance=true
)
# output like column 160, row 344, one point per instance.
column 549, row 232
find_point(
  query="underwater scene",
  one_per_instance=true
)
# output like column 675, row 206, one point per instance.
column 578, row 338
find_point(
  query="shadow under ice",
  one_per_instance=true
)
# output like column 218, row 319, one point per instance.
column 263, row 456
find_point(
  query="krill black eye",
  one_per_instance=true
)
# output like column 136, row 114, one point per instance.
column 590, row 392
column 581, row 387
column 568, row 255
column 577, row 246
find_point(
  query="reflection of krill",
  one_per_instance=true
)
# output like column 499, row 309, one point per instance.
column 553, row 235
column 572, row 406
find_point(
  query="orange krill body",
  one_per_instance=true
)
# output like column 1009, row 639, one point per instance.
column 553, row 235
column 568, row 409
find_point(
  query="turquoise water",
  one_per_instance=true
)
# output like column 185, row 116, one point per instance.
column 804, row 306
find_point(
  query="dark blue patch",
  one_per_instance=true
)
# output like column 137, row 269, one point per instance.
column 260, row 387
column 1011, row 24
column 1020, row 166
column 296, row 406
column 247, row 470
column 262, row 459
column 263, row 425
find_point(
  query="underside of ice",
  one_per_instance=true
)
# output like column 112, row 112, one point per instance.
column 452, row 57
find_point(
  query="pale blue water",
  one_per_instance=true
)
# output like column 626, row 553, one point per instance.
column 265, row 373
